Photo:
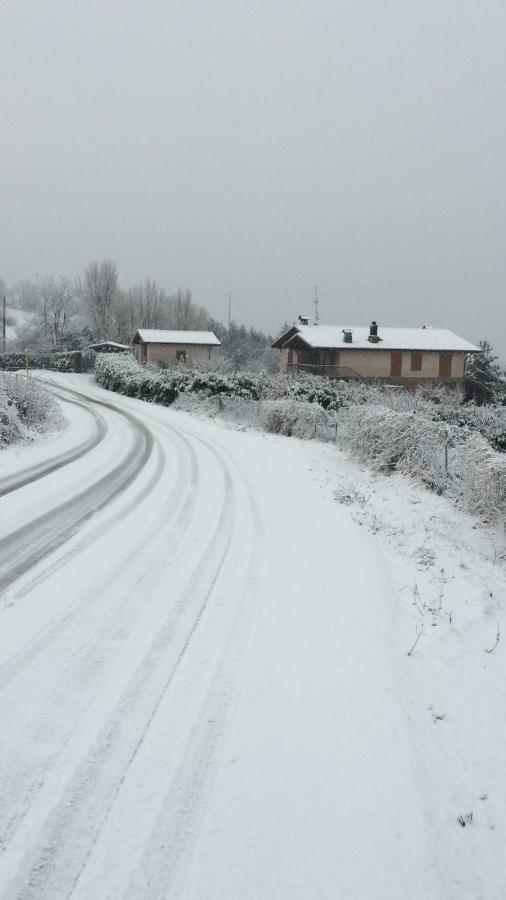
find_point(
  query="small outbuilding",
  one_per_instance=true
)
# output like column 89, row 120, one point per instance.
column 185, row 348
column 109, row 347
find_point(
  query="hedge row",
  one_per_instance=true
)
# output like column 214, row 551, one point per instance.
column 434, row 437
column 162, row 385
column 69, row 361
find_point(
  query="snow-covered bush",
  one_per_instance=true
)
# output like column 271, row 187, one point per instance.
column 61, row 362
column 25, row 407
column 430, row 435
column 477, row 477
column 294, row 418
column 121, row 373
column 397, row 439
column 10, row 427
column 449, row 457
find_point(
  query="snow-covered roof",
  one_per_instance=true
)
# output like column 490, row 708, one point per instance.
column 109, row 344
column 160, row 336
column 331, row 337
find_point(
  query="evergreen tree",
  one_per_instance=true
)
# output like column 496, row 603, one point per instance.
column 483, row 367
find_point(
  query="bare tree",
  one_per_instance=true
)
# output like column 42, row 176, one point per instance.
column 151, row 305
column 98, row 287
column 147, row 300
column 125, row 315
column 183, row 315
column 56, row 308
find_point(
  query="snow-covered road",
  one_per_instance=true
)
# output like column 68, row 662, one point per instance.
column 197, row 696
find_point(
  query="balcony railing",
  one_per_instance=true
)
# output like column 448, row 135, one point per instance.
column 329, row 371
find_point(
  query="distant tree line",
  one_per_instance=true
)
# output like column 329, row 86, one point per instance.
column 63, row 315
column 59, row 314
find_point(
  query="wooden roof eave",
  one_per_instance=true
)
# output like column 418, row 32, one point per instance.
column 284, row 338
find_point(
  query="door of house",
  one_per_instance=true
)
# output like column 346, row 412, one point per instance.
column 445, row 365
column 395, row 364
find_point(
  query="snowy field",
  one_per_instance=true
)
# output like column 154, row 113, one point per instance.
column 237, row 666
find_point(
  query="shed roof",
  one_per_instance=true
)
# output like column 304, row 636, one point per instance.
column 331, row 337
column 160, row 336
column 102, row 344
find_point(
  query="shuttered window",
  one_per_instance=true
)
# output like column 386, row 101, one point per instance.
column 445, row 365
column 395, row 363
column 416, row 362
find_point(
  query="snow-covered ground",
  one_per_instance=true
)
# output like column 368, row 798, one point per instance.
column 209, row 682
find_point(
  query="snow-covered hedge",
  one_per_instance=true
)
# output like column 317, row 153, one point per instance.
column 449, row 456
column 121, row 373
column 62, row 362
column 452, row 447
column 26, row 407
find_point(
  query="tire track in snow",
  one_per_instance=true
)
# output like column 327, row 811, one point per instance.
column 173, row 837
column 40, row 470
column 76, row 688
column 29, row 544
column 67, row 837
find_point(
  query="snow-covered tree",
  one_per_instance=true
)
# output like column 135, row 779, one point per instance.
column 56, row 308
column 483, row 367
column 98, row 287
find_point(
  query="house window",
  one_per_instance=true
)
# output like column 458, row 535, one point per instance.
column 290, row 357
column 416, row 362
column 181, row 357
column 445, row 365
column 395, row 364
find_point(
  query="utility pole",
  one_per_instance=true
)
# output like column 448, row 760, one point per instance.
column 229, row 295
column 316, row 313
column 4, row 321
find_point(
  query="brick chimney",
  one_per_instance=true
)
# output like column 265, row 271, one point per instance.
column 373, row 333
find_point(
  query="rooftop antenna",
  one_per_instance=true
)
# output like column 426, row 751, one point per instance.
column 316, row 301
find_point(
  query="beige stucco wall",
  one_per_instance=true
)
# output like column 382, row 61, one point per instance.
column 368, row 363
column 283, row 359
column 458, row 364
column 376, row 363
column 430, row 365
column 167, row 353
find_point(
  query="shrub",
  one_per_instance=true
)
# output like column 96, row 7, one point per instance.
column 25, row 407
column 431, row 435
column 68, row 361
column 124, row 375
column 291, row 417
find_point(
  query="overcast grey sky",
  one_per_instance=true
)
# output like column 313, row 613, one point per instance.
column 263, row 148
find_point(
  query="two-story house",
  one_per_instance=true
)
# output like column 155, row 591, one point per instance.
column 403, row 356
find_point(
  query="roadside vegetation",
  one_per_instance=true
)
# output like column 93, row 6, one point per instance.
column 27, row 409
column 49, row 314
column 453, row 448
column 54, row 314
